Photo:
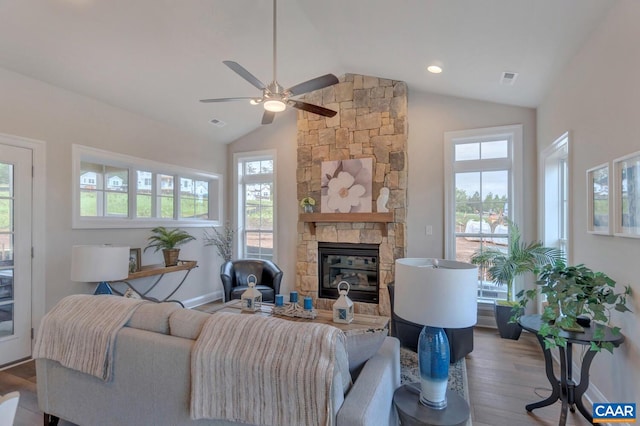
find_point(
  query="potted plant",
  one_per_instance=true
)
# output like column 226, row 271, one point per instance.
column 168, row 240
column 222, row 240
column 307, row 204
column 576, row 296
column 502, row 267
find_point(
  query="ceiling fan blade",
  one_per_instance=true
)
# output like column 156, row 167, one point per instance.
column 268, row 116
column 224, row 99
column 242, row 72
column 316, row 109
column 313, row 84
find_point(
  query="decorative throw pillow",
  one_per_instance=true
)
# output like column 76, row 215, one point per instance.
column 362, row 345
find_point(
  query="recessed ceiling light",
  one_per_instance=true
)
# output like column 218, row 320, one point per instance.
column 434, row 69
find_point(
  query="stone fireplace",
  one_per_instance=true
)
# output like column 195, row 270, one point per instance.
column 371, row 123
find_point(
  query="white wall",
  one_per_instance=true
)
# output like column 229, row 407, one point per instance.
column 282, row 137
column 33, row 109
column 430, row 116
column 597, row 100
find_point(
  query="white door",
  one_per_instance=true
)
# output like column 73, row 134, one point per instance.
column 15, row 253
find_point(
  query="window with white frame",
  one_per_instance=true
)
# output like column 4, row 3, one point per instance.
column 255, row 204
column 483, row 181
column 554, row 190
column 118, row 191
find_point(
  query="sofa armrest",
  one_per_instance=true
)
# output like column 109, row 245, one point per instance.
column 370, row 399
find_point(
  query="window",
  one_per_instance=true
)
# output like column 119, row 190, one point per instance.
column 554, row 190
column 483, row 181
column 255, row 195
column 118, row 191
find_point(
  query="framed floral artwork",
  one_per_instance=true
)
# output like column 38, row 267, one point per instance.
column 346, row 186
column 598, row 205
column 627, row 195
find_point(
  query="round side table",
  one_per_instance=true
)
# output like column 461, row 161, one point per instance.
column 413, row 413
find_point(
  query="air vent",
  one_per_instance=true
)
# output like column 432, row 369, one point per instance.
column 218, row 123
column 508, row 78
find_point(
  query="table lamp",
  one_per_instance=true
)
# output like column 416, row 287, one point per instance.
column 439, row 294
column 99, row 263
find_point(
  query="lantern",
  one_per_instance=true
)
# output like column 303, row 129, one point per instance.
column 343, row 308
column 251, row 300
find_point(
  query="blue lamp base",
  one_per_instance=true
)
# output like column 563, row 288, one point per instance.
column 103, row 288
column 433, row 364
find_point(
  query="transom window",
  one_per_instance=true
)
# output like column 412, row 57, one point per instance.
column 114, row 190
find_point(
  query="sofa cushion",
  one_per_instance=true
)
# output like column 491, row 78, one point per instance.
column 362, row 346
column 187, row 323
column 153, row 317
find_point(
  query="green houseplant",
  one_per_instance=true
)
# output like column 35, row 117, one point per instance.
column 573, row 292
column 168, row 240
column 502, row 267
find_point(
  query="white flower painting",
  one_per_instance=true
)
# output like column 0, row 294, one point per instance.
column 346, row 186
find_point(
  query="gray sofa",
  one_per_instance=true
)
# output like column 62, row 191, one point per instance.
column 151, row 378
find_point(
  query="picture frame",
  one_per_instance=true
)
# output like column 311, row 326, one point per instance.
column 627, row 195
column 135, row 260
column 598, row 200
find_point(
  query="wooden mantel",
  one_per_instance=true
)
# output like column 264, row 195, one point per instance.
column 313, row 218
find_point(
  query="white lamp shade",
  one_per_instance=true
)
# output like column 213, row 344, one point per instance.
column 443, row 296
column 99, row 263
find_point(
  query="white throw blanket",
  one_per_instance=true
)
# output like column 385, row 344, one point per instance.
column 80, row 332
column 264, row 371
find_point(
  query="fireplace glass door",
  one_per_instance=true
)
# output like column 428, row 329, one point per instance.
column 357, row 264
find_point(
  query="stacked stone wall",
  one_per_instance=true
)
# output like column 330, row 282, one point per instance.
column 371, row 123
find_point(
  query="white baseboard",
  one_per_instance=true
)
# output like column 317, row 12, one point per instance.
column 201, row 300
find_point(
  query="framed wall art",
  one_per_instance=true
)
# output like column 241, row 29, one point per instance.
column 346, row 186
column 598, row 204
column 134, row 260
column 627, row 195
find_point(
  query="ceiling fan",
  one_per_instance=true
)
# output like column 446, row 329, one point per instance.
column 275, row 98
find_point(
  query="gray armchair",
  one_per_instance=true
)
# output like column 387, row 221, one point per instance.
column 234, row 275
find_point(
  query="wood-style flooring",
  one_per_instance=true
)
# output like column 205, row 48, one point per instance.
column 503, row 376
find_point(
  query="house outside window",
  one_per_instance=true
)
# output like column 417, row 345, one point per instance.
column 255, row 183
column 119, row 191
column 483, row 181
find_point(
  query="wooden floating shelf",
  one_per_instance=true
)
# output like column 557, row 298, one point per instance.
column 313, row 218
column 151, row 270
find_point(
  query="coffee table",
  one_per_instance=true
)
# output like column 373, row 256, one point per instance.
column 361, row 322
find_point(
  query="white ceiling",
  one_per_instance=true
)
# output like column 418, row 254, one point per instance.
column 159, row 57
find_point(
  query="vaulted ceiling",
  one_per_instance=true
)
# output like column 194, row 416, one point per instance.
column 159, row 57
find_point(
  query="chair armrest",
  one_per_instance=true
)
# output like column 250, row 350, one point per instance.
column 273, row 274
column 226, row 275
column 370, row 399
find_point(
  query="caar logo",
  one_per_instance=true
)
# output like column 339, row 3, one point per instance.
column 614, row 413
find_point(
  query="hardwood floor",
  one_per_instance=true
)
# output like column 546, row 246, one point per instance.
column 503, row 376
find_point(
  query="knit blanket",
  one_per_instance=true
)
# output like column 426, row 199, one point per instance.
column 80, row 332
column 264, row 371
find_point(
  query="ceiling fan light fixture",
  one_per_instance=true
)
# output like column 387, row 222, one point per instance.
column 275, row 105
column 254, row 101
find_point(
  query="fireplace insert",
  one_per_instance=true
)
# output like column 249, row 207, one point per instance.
column 356, row 264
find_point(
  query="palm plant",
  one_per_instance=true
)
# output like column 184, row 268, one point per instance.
column 521, row 257
column 168, row 240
